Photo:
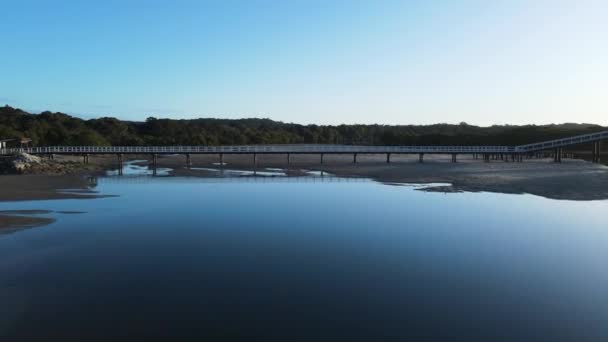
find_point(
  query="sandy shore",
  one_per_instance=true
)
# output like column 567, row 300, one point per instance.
column 39, row 187
column 15, row 220
column 571, row 180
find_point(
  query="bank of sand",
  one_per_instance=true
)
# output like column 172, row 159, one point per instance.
column 15, row 220
column 572, row 179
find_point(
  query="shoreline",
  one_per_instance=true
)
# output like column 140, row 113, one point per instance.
column 15, row 220
column 575, row 180
column 570, row 180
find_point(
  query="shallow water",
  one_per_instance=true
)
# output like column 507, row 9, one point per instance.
column 310, row 258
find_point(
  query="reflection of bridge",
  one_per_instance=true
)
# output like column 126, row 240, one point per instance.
column 146, row 179
column 515, row 153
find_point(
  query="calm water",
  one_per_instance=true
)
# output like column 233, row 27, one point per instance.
column 305, row 260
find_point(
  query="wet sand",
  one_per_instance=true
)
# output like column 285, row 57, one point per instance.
column 15, row 220
column 41, row 187
column 571, row 180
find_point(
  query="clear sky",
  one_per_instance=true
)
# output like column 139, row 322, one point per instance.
column 306, row 61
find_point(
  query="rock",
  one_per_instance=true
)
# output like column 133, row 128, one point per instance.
column 25, row 163
column 28, row 164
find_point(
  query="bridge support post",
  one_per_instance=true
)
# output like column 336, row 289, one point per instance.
column 596, row 152
column 221, row 159
column 288, row 158
column 85, row 159
column 354, row 158
column 453, row 157
column 119, row 157
column 388, row 158
column 420, row 157
column 154, row 161
column 557, row 158
column 486, row 158
column 322, row 157
column 255, row 160
column 188, row 161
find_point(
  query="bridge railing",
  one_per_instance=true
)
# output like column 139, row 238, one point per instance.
column 261, row 149
column 575, row 140
column 309, row 148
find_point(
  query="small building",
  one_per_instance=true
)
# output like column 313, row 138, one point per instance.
column 25, row 142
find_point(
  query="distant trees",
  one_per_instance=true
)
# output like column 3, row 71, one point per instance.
column 49, row 128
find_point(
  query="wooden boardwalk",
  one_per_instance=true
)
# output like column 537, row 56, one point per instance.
column 515, row 152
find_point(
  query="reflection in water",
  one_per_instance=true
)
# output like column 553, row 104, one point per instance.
column 305, row 258
column 235, row 173
column 131, row 168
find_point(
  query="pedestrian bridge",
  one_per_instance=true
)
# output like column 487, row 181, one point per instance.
column 515, row 152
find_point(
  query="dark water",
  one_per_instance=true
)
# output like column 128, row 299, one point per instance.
column 305, row 260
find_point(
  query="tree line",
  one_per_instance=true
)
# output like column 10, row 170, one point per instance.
column 55, row 129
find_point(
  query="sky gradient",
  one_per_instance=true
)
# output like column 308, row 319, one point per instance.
column 325, row 62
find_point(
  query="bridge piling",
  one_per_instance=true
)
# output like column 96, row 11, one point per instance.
column 388, row 158
column 557, row 158
column 596, row 152
column 120, row 165
column 354, row 158
column 288, row 158
column 420, row 157
column 221, row 159
column 255, row 160
column 322, row 158
column 188, row 161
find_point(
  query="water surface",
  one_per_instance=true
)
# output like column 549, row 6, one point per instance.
column 305, row 259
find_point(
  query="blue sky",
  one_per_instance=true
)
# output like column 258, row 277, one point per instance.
column 326, row 62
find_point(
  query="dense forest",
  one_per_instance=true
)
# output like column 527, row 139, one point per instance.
column 52, row 129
